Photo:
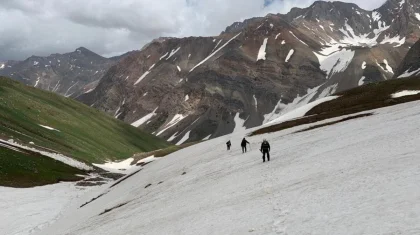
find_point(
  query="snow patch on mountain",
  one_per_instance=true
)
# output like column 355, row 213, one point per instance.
column 90, row 90
column 255, row 102
column 186, row 98
column 409, row 73
column 297, row 38
column 2, row 66
column 364, row 65
column 207, row 137
column 173, row 52
column 162, row 57
column 173, row 137
column 212, row 54
column 65, row 94
column 239, row 124
column 261, row 52
column 361, row 81
column 37, row 81
column 329, row 90
column 278, row 108
column 289, row 55
column 335, row 62
column 175, row 120
column 117, row 113
column 48, row 127
column 146, row 118
column 397, row 41
column 351, row 38
column 57, row 156
column 277, row 35
column 142, row 77
column 417, row 15
column 405, row 93
column 117, row 166
column 217, row 45
column 184, row 138
column 388, row 68
column 301, row 111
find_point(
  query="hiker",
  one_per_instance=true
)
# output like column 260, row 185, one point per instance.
column 228, row 144
column 265, row 149
column 243, row 145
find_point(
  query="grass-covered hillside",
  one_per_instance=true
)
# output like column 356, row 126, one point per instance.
column 27, row 169
column 80, row 131
column 52, row 123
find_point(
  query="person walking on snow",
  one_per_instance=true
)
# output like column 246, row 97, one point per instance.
column 228, row 144
column 243, row 145
column 265, row 149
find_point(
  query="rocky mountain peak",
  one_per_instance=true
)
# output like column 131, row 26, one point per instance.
column 86, row 52
column 68, row 74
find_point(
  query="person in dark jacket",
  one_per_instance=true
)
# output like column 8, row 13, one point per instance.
column 228, row 144
column 265, row 149
column 243, row 145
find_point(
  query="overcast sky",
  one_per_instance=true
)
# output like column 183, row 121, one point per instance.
column 112, row 27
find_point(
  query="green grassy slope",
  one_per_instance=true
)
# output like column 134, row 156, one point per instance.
column 24, row 169
column 84, row 133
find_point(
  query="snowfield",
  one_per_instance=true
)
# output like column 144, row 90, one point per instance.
column 25, row 211
column 356, row 177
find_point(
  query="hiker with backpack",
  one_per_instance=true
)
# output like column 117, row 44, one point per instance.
column 228, row 144
column 243, row 145
column 265, row 149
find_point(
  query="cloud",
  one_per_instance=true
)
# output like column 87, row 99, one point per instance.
column 111, row 27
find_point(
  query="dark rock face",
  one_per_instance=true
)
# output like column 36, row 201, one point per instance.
column 69, row 74
column 410, row 66
column 203, row 87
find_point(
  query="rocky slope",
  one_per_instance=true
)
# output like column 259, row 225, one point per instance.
column 202, row 87
column 69, row 74
column 410, row 66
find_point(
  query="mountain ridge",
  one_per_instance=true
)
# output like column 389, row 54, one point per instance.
column 195, row 87
column 68, row 74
